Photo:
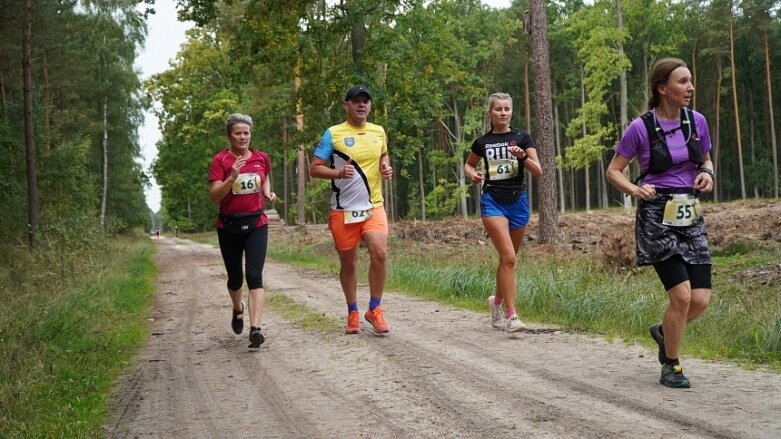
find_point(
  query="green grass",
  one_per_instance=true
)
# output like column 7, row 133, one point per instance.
column 743, row 322
column 201, row 237
column 302, row 316
column 65, row 342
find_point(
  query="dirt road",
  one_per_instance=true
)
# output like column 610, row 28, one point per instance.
column 442, row 373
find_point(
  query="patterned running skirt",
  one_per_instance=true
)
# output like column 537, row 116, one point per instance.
column 657, row 242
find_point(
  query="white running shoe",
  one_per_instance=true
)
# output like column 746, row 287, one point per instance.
column 514, row 324
column 497, row 317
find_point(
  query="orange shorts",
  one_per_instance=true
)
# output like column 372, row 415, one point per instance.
column 347, row 236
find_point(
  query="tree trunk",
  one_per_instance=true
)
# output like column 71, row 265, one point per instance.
column 2, row 89
column 462, row 184
column 301, row 201
column 587, row 187
column 573, row 200
column 459, row 138
column 390, row 208
column 770, row 115
column 29, row 135
column 623, row 98
column 45, row 136
column 285, row 171
column 388, row 197
column 422, row 185
column 586, row 176
column 694, row 75
column 735, row 104
column 549, row 229
column 527, row 113
column 358, row 38
column 646, row 72
column 104, row 194
column 752, row 141
column 602, row 183
column 716, row 132
column 568, row 110
column 559, row 173
column 300, row 159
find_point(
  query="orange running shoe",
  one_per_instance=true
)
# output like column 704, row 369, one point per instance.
column 377, row 320
column 353, row 323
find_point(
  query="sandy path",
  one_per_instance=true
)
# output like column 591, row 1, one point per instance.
column 441, row 373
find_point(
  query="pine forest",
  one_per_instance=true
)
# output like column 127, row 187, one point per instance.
column 72, row 102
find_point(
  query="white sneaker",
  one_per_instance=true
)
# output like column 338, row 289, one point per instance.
column 514, row 324
column 497, row 317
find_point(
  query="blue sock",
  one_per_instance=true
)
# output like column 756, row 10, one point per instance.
column 352, row 307
column 374, row 303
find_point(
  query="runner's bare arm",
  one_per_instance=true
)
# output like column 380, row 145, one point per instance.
column 615, row 176
column 473, row 174
column 385, row 168
column 530, row 160
column 321, row 168
column 704, row 180
column 219, row 189
column 266, row 187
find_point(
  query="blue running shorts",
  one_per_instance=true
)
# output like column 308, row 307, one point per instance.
column 517, row 213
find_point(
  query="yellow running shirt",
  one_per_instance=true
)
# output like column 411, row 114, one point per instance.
column 364, row 146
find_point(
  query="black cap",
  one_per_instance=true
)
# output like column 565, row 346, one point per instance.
column 355, row 91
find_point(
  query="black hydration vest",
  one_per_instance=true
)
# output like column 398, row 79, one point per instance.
column 660, row 159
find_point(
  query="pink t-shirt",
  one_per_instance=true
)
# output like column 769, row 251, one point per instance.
column 246, row 194
column 683, row 172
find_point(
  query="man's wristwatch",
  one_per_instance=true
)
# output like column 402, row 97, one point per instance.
column 707, row 171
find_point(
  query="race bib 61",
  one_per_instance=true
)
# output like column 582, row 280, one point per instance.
column 502, row 169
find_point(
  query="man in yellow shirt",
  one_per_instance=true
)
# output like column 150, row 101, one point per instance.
column 354, row 156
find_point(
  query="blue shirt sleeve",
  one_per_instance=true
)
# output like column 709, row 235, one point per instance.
column 325, row 148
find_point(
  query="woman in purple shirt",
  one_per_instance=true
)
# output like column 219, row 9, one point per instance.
column 672, row 146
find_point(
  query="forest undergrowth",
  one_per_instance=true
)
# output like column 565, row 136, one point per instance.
column 72, row 313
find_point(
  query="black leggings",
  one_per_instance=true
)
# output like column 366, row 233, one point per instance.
column 251, row 245
column 675, row 270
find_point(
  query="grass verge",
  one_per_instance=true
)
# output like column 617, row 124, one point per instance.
column 64, row 343
column 301, row 315
column 577, row 292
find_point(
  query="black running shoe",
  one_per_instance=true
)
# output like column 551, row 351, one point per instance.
column 656, row 333
column 672, row 376
column 237, row 322
column 255, row 338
